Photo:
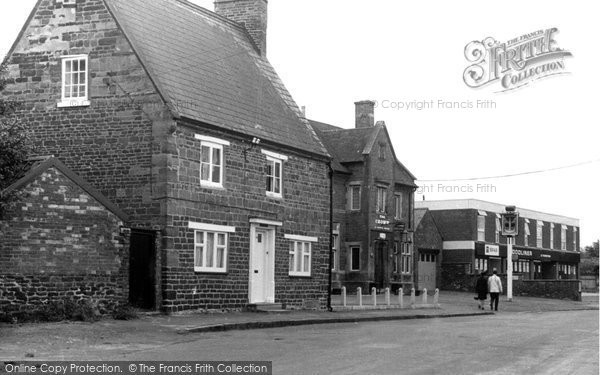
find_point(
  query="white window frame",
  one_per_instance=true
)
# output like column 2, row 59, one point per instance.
column 351, row 197
column 381, row 199
column 77, row 101
column 214, row 268
column 209, row 182
column 551, row 235
column 539, row 233
column 352, row 265
column 406, row 259
column 301, row 250
column 563, row 237
column 498, row 228
column 481, row 228
column 575, row 239
column 526, row 233
column 398, row 201
column 335, row 247
column 274, row 159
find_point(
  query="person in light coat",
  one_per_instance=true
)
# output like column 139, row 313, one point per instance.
column 495, row 289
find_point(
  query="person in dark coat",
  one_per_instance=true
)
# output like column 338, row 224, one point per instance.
column 481, row 288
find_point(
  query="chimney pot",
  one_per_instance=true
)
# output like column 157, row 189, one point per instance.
column 251, row 14
column 365, row 114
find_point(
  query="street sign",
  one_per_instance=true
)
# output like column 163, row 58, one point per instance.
column 510, row 224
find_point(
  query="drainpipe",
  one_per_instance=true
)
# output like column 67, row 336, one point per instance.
column 329, row 308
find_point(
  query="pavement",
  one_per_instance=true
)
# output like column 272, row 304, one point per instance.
column 68, row 340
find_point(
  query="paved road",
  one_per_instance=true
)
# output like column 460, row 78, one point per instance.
column 507, row 343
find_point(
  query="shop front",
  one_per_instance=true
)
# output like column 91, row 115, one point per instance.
column 528, row 263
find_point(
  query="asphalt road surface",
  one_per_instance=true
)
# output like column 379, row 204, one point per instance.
column 507, row 343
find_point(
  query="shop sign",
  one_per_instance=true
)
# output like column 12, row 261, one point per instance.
column 492, row 250
column 524, row 253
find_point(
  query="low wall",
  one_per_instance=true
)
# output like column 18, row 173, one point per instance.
column 23, row 293
column 455, row 278
column 557, row 289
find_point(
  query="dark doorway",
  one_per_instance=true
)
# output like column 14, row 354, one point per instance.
column 380, row 256
column 142, row 270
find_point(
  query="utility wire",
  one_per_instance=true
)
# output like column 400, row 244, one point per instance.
column 514, row 174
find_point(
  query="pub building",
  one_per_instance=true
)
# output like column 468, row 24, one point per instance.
column 372, row 206
column 546, row 247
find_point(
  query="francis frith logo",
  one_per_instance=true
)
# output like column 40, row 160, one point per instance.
column 514, row 63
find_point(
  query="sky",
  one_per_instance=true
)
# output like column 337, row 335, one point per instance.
column 333, row 53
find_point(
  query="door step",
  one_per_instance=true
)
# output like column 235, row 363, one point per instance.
column 274, row 308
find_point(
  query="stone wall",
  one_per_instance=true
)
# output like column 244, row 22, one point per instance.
column 109, row 142
column 59, row 243
column 303, row 210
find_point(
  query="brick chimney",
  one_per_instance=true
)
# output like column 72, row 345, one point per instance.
column 252, row 14
column 365, row 114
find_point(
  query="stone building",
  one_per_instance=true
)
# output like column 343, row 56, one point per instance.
column 175, row 114
column 62, row 240
column 373, row 193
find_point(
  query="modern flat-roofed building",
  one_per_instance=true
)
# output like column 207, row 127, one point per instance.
column 546, row 247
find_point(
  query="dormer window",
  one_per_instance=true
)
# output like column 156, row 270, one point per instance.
column 74, row 81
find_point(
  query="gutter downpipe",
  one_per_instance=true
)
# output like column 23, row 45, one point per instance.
column 329, row 308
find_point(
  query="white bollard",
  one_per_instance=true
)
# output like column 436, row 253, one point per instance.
column 359, row 294
column 401, row 298
column 374, row 294
column 436, row 298
column 413, row 299
column 344, row 296
column 424, row 296
column 387, row 296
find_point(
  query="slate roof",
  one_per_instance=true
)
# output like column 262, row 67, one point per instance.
column 419, row 215
column 350, row 146
column 208, row 69
column 345, row 145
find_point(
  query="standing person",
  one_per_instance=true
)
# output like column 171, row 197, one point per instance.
column 495, row 288
column 482, row 289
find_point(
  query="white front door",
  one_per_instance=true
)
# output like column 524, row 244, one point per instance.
column 262, row 266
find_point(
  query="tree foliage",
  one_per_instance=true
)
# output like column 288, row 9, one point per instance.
column 589, row 260
column 14, row 143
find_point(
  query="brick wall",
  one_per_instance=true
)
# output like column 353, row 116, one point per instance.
column 58, row 242
column 456, row 225
column 304, row 210
column 454, row 277
column 110, row 142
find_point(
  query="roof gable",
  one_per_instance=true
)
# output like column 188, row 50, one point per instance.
column 351, row 145
column 37, row 167
column 208, row 70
